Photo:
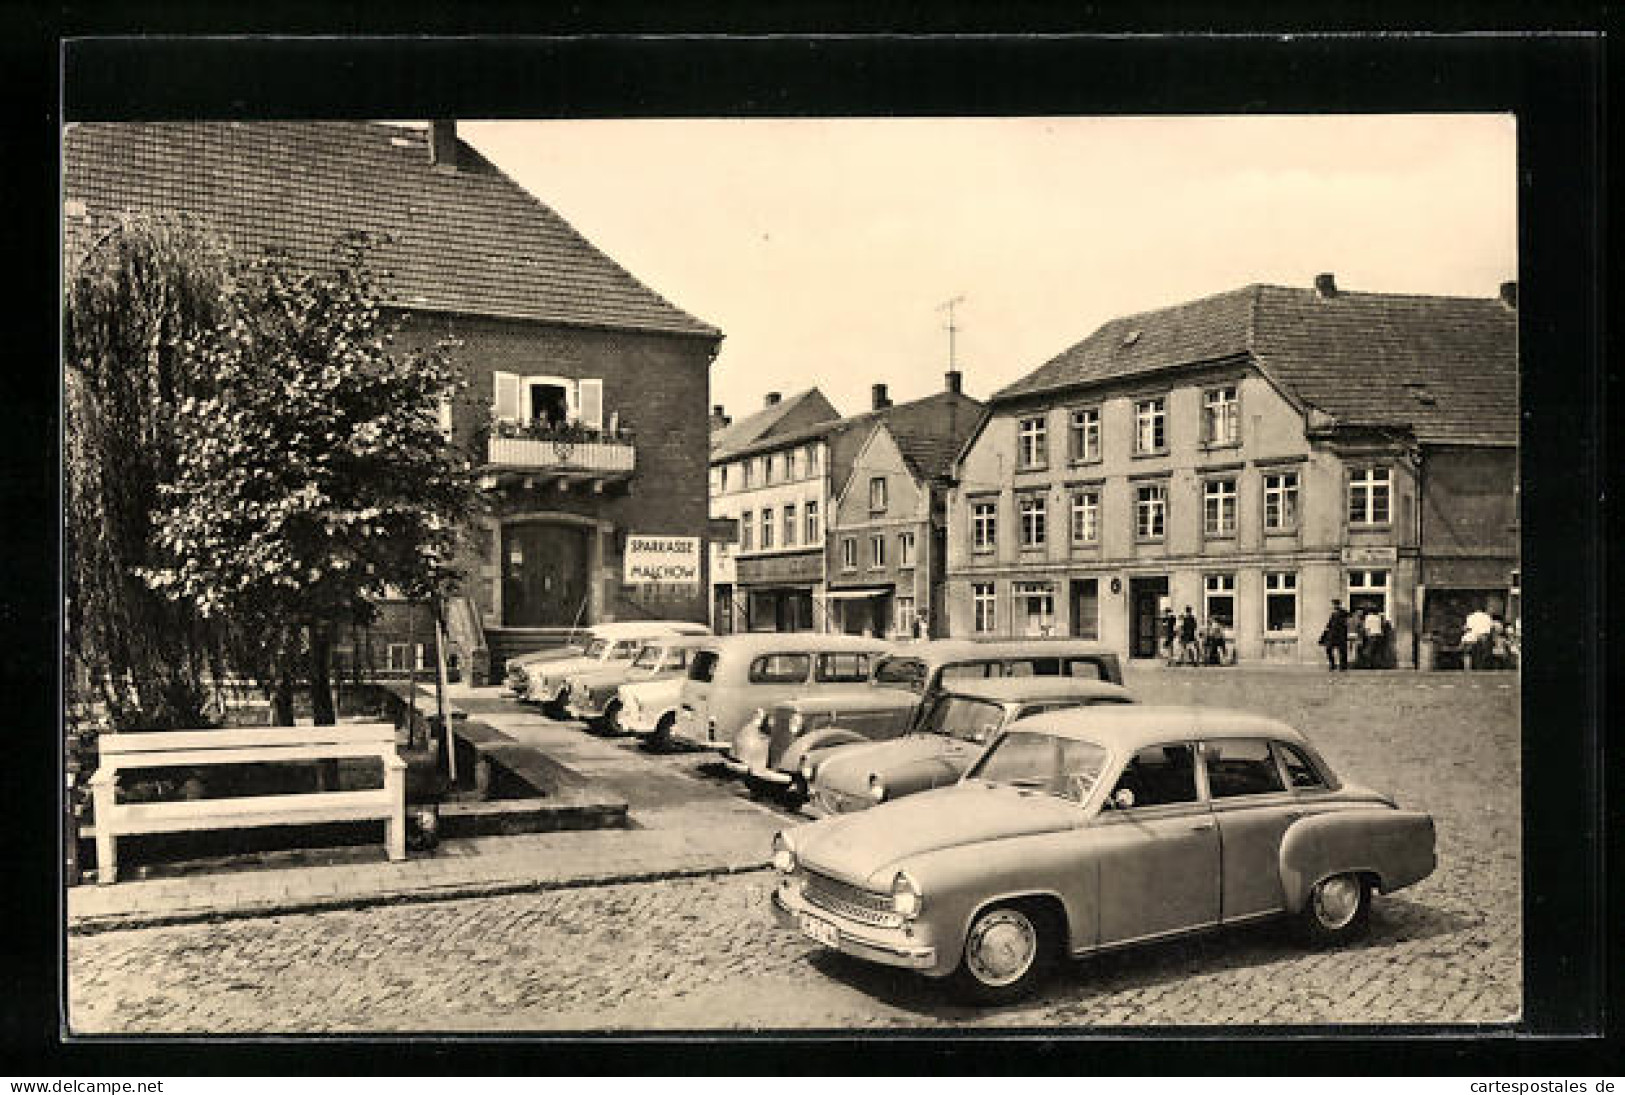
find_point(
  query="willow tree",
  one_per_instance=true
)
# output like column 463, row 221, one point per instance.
column 313, row 478
column 132, row 302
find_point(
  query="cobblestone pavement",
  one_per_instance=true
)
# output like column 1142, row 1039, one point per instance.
column 701, row 953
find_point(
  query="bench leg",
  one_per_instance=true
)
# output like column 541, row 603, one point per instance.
column 395, row 825
column 106, row 842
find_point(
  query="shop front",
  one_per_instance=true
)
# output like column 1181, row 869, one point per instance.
column 780, row 592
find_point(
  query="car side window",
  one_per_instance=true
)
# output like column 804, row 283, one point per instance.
column 843, row 667
column 780, row 669
column 1298, row 767
column 1085, row 668
column 1241, row 768
column 970, row 671
column 1160, row 775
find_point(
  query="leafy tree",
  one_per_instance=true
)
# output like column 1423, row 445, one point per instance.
column 132, row 300
column 313, row 478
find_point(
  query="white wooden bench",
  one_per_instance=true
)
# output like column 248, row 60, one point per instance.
column 194, row 748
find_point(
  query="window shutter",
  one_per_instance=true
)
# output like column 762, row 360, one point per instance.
column 590, row 403
column 505, row 399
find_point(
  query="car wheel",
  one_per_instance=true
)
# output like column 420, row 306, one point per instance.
column 796, row 794
column 660, row 740
column 1009, row 949
column 1337, row 909
column 612, row 718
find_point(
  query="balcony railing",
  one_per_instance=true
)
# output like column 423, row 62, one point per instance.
column 568, row 449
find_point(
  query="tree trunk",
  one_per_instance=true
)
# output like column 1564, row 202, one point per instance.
column 321, row 674
column 282, row 688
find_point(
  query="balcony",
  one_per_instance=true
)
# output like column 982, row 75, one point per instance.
column 533, row 455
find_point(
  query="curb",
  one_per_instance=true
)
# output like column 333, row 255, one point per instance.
column 96, row 925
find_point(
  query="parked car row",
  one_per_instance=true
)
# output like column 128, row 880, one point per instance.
column 993, row 807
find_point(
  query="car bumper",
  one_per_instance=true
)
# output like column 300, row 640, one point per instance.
column 585, row 709
column 887, row 947
column 698, row 732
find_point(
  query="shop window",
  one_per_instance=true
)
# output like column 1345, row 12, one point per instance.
column 1037, row 603
column 1219, row 598
column 1368, row 591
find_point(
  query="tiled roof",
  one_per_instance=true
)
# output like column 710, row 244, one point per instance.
column 467, row 240
column 1446, row 367
column 931, row 431
column 735, row 436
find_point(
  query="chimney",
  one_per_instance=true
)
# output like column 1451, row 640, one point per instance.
column 1325, row 286
column 1509, row 295
column 773, row 399
column 878, row 398
column 719, row 419
column 956, row 381
column 443, row 143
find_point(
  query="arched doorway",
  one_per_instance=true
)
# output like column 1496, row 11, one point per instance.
column 545, row 574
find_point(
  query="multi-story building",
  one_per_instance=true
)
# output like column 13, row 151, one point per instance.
column 769, row 482
column 887, row 558
column 587, row 391
column 1252, row 455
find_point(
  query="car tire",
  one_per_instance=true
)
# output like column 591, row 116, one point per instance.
column 796, row 794
column 1337, row 909
column 1009, row 950
column 660, row 740
column 611, row 721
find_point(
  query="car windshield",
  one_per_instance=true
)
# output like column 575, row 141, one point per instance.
column 596, row 650
column 1063, row 767
column 908, row 672
column 648, row 658
column 964, row 718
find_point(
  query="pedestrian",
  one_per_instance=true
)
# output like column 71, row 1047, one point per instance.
column 1475, row 639
column 1371, row 641
column 1357, row 637
column 1215, row 641
column 1335, row 638
column 1188, row 651
column 1500, row 644
column 1390, row 655
column 1170, row 632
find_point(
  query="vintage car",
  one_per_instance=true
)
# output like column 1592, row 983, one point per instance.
column 925, row 668
column 733, row 680
column 957, row 725
column 649, row 710
column 612, row 644
column 591, row 696
column 1094, row 828
column 516, row 680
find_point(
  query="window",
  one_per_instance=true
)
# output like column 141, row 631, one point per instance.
column 1085, row 517
column 984, row 525
column 779, row 669
column 814, row 456
column 790, row 525
column 1033, row 511
column 814, row 532
column 722, row 479
column 548, row 401
column 744, row 473
column 1150, row 511
column 903, row 616
column 1032, row 447
column 1219, row 507
column 877, row 552
column 877, row 494
column 1368, row 496
column 704, row 666
column 1221, row 417
column 984, row 608
column 1150, row 422
column 1037, row 601
column 843, row 667
column 767, row 529
column 1160, row 775
column 1085, row 434
column 905, row 549
column 747, row 533
column 1219, row 598
column 849, row 553
column 1281, row 501
column 1368, row 591
column 1241, row 768
column 792, row 464
column 1299, row 769
column 1086, row 609
column 1281, row 602
column 405, row 657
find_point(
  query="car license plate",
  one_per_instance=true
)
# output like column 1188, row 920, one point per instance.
column 821, row 931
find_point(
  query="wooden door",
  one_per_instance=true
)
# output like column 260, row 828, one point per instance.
column 544, row 575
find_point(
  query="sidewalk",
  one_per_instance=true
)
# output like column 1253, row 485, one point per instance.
column 680, row 827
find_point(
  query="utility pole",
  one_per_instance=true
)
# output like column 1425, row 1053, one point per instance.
column 948, row 306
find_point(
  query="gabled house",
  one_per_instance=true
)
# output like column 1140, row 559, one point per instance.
column 1252, row 455
column 586, row 406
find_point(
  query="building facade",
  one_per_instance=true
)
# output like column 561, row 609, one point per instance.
column 585, row 409
column 1251, row 456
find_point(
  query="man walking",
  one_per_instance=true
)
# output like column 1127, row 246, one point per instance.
column 1188, row 650
column 1336, row 638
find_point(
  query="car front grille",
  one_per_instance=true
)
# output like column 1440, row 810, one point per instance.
column 864, row 906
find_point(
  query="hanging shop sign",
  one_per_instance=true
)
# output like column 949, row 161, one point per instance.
column 668, row 560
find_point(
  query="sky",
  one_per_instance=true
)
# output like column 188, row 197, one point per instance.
column 824, row 249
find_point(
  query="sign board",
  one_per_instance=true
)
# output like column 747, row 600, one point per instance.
column 668, row 560
column 1371, row 556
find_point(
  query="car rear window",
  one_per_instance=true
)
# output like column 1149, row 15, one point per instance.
column 909, row 672
column 703, row 667
column 1241, row 768
column 845, row 668
column 780, row 669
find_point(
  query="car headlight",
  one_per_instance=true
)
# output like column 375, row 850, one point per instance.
column 784, row 860
column 757, row 720
column 797, row 723
column 906, row 899
column 808, row 769
column 877, row 787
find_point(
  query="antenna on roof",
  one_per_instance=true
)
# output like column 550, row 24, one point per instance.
column 948, row 306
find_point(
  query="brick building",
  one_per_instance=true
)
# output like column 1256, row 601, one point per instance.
column 1252, row 455
column 586, row 405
